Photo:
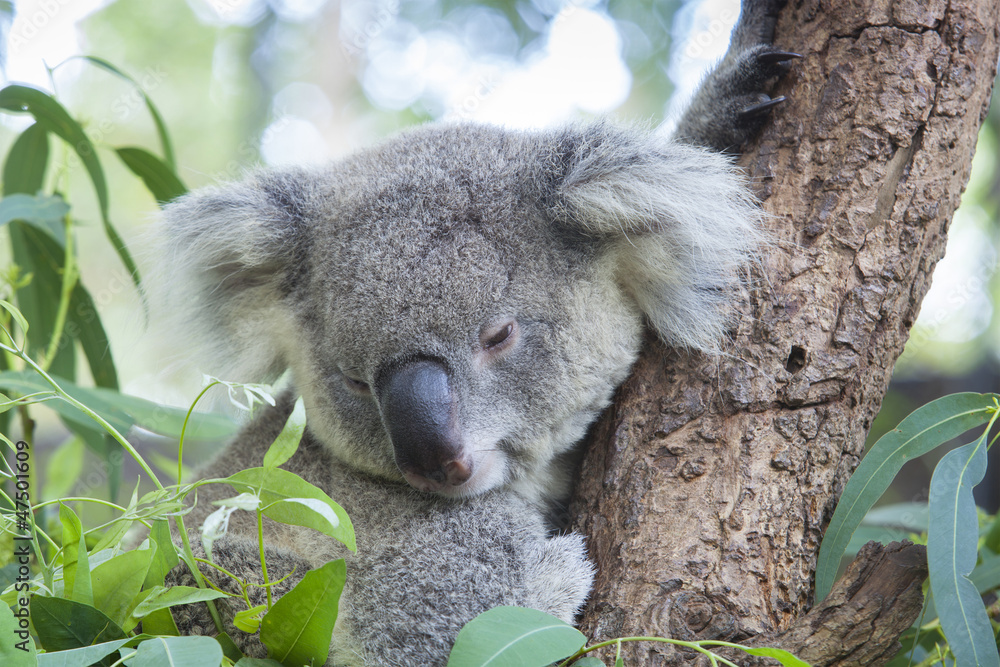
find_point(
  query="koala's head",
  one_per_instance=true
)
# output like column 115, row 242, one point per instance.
column 459, row 303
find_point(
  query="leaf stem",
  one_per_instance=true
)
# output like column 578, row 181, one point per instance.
column 196, row 571
column 263, row 563
column 697, row 646
column 70, row 275
column 180, row 442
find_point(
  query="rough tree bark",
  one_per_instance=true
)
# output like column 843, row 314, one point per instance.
column 708, row 485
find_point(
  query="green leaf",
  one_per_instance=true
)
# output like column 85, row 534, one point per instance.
column 15, row 638
column 24, row 169
column 171, row 651
column 120, row 410
column 44, row 212
column 274, row 484
column 81, row 657
column 117, row 583
column 248, row 620
column 952, row 538
column 781, row 655
column 986, row 576
column 160, row 623
column 165, row 555
column 28, row 382
column 84, row 322
column 63, row 469
column 287, row 442
column 38, row 254
column 298, row 628
column 588, row 661
column 162, row 598
column 257, row 662
column 231, row 650
column 305, row 512
column 77, row 582
column 64, row 624
column 168, row 421
column 53, row 117
column 159, row 178
column 992, row 539
column 16, row 314
column 514, row 636
column 161, row 128
column 926, row 428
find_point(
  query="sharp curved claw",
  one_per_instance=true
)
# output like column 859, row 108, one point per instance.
column 763, row 107
column 776, row 57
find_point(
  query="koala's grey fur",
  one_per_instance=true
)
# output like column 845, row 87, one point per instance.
column 424, row 565
column 406, row 260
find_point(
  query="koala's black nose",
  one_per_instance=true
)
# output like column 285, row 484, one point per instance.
column 420, row 413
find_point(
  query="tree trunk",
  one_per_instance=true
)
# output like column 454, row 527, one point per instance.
column 707, row 486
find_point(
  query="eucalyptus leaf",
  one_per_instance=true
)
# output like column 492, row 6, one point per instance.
column 64, row 624
column 588, row 661
column 53, row 117
column 161, row 127
column 170, row 651
column 84, row 322
column 83, row 656
column 986, row 576
column 39, row 255
column 63, row 469
column 287, row 442
column 16, row 650
column 164, row 557
column 952, row 546
column 514, row 636
column 162, row 598
column 45, row 212
column 159, row 178
column 24, row 169
column 76, row 566
column 784, row 657
column 926, row 428
column 305, row 512
column 274, row 484
column 298, row 627
column 248, row 620
column 117, row 583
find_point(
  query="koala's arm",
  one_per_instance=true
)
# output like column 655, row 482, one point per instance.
column 730, row 105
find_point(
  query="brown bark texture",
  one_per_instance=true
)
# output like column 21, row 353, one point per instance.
column 708, row 485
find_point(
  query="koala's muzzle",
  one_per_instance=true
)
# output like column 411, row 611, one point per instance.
column 420, row 413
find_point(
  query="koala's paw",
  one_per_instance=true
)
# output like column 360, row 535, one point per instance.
column 559, row 576
column 744, row 103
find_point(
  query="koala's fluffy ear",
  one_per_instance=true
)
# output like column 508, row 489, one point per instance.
column 225, row 259
column 679, row 222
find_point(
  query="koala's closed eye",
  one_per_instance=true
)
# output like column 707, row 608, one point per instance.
column 354, row 381
column 495, row 339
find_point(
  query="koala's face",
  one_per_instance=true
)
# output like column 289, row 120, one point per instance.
column 449, row 335
column 459, row 304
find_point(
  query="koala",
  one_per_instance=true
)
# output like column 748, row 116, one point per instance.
column 456, row 306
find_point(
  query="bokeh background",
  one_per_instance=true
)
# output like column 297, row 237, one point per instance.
column 243, row 83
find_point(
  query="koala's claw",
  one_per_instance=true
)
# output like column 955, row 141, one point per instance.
column 760, row 108
column 777, row 57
